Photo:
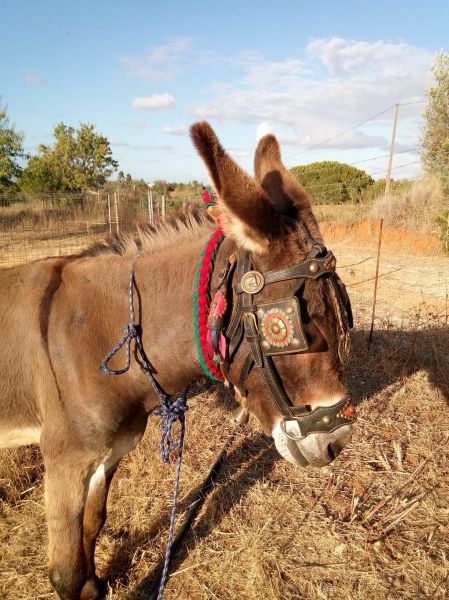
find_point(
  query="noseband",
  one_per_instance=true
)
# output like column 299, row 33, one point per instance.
column 275, row 328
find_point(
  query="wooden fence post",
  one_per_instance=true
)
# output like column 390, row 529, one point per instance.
column 163, row 206
column 117, row 226
column 375, row 283
column 150, row 206
column 109, row 214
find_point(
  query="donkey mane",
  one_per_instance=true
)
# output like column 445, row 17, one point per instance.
column 180, row 227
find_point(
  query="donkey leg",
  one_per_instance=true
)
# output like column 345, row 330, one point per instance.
column 127, row 438
column 66, row 490
column 94, row 518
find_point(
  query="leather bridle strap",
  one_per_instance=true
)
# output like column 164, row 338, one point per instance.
column 319, row 262
column 311, row 268
column 321, row 419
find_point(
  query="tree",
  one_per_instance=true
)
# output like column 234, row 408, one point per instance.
column 11, row 151
column 79, row 160
column 331, row 182
column 435, row 140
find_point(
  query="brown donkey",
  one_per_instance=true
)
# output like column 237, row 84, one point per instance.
column 285, row 326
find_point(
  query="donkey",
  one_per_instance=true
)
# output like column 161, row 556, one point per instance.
column 60, row 316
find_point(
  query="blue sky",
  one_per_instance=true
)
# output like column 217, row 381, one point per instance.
column 142, row 72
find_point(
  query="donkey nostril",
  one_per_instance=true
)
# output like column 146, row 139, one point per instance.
column 333, row 450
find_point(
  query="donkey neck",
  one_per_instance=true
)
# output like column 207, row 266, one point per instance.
column 165, row 285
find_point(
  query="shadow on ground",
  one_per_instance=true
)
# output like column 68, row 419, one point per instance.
column 394, row 354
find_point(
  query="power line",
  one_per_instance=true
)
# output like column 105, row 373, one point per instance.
column 353, row 127
column 398, row 167
column 414, row 102
column 357, row 162
column 342, row 133
column 348, row 181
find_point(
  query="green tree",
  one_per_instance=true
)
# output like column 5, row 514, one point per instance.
column 11, row 151
column 331, row 182
column 435, row 140
column 79, row 160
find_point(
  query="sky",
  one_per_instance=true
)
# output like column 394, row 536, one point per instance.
column 144, row 71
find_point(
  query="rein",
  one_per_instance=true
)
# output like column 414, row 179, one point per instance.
column 170, row 410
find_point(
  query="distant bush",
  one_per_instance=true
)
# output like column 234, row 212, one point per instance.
column 442, row 222
column 331, row 182
column 377, row 189
column 417, row 205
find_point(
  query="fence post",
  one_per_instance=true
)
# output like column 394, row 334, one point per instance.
column 375, row 283
column 117, row 226
column 109, row 214
column 150, row 206
column 163, row 206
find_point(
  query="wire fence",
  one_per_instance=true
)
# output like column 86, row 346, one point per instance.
column 40, row 225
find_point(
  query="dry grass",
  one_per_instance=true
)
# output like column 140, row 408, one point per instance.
column 373, row 525
column 415, row 208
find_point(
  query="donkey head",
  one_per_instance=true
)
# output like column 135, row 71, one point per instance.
column 291, row 325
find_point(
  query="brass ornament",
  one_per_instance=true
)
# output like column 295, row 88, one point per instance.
column 252, row 282
column 280, row 327
column 277, row 328
column 314, row 267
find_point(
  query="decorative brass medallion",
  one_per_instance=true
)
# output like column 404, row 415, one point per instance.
column 252, row 282
column 280, row 327
column 277, row 328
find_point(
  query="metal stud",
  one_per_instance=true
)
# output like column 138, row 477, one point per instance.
column 326, row 419
column 266, row 345
column 295, row 342
column 314, row 267
column 289, row 310
column 260, row 313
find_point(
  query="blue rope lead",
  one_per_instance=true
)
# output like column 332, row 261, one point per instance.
column 169, row 410
column 165, row 451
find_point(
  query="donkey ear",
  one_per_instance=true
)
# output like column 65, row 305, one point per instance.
column 282, row 186
column 246, row 211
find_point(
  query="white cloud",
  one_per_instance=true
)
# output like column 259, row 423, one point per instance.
column 154, row 102
column 34, row 78
column 160, row 62
column 317, row 96
column 262, row 129
column 349, row 56
column 177, row 130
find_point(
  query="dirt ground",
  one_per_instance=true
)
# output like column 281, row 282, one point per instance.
column 373, row 525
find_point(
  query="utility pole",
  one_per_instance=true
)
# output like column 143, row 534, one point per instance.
column 390, row 160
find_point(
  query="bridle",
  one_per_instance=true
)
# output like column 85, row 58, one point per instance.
column 275, row 328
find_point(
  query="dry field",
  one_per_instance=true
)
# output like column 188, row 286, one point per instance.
column 373, row 525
